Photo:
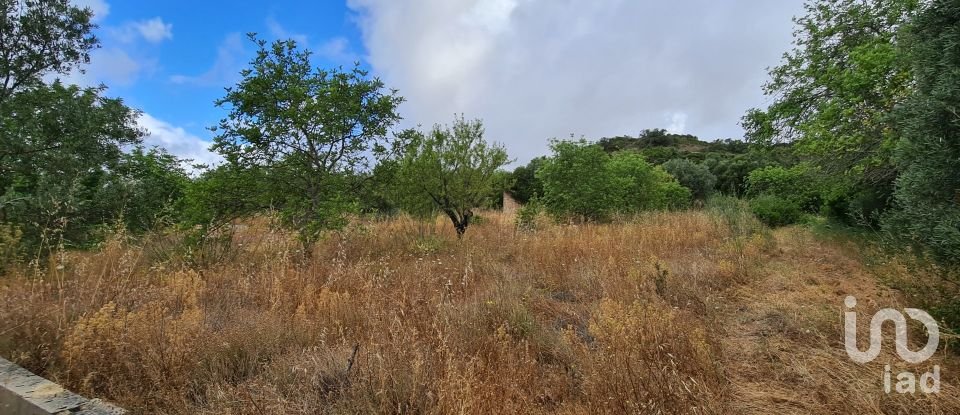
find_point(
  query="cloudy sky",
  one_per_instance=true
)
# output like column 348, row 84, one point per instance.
column 531, row 69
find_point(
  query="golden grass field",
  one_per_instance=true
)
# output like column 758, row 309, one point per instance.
column 687, row 312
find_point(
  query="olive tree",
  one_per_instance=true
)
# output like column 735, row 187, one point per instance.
column 453, row 167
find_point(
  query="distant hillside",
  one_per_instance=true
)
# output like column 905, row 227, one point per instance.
column 661, row 138
column 659, row 146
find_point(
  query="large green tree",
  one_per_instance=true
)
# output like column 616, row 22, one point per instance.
column 926, row 213
column 834, row 92
column 61, row 147
column 453, row 167
column 576, row 181
column 583, row 182
column 39, row 37
column 312, row 129
column 694, row 176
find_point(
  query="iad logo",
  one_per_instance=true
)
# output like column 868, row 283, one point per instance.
column 906, row 381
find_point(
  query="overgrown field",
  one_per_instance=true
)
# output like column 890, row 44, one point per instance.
column 689, row 312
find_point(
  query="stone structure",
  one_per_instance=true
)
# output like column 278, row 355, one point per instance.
column 23, row 393
column 510, row 205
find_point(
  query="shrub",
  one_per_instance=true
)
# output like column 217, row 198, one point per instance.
column 641, row 186
column 9, row 244
column 797, row 184
column 527, row 214
column 582, row 181
column 694, row 176
column 576, row 181
column 775, row 210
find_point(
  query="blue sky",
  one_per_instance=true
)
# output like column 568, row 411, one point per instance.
column 173, row 59
column 530, row 69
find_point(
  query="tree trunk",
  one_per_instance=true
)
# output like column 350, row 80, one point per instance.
column 460, row 221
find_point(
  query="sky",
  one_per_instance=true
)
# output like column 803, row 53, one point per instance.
column 532, row 70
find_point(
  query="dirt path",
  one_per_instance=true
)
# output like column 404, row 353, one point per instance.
column 783, row 348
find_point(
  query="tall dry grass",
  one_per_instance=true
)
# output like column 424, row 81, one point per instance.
column 395, row 316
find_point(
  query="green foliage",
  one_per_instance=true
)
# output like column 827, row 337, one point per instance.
column 312, row 130
column 9, row 244
column 222, row 194
column 452, row 167
column 775, row 210
column 927, row 195
column 731, row 172
column 152, row 184
column 583, row 182
column 660, row 155
column 798, row 184
column 526, row 185
column 41, row 37
column 60, row 157
column 693, row 176
column 833, row 93
column 528, row 214
column 638, row 185
column 652, row 139
column 735, row 213
column 576, row 181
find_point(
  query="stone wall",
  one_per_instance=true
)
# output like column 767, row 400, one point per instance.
column 23, row 393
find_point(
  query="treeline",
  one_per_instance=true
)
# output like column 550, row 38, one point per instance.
column 863, row 128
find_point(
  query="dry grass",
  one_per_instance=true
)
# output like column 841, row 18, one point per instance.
column 668, row 313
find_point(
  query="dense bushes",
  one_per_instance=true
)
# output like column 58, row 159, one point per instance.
column 694, row 176
column 926, row 214
column 583, row 182
column 775, row 210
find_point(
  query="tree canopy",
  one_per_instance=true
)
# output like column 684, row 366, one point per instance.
column 452, row 166
column 313, row 128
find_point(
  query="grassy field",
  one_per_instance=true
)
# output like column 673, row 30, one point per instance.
column 688, row 312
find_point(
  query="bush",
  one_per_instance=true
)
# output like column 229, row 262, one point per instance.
column 694, row 176
column 527, row 214
column 581, row 181
column 735, row 214
column 640, row 186
column 797, row 184
column 9, row 245
column 576, row 181
column 775, row 210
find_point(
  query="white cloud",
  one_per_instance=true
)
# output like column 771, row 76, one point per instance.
column 226, row 68
column 677, row 123
column 110, row 66
column 537, row 69
column 177, row 141
column 152, row 30
column 278, row 31
column 100, row 8
column 336, row 50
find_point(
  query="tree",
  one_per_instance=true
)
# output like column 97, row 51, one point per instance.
column 694, row 176
column 581, row 181
column 526, row 185
column 638, row 185
column 926, row 212
column 834, row 92
column 59, row 147
column 797, row 184
column 150, row 187
column 576, row 181
column 454, row 167
column 312, row 130
column 38, row 37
